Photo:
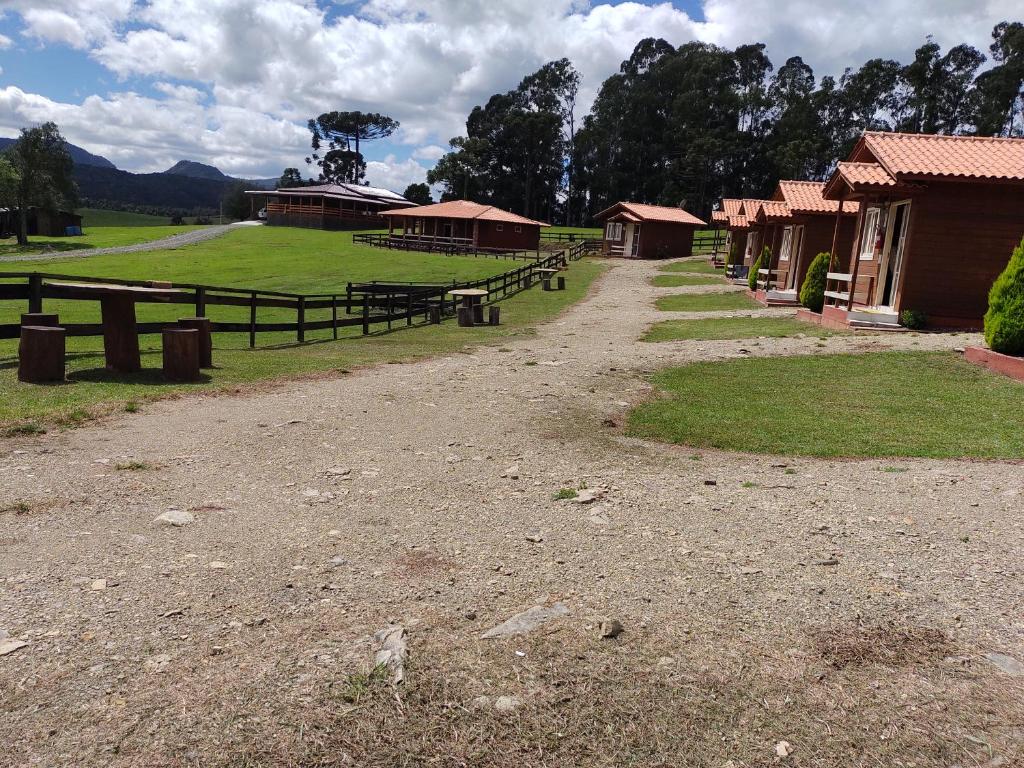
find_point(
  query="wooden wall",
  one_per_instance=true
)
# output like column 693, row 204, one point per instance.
column 527, row 239
column 665, row 240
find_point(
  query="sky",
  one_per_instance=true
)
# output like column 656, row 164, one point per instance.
column 146, row 83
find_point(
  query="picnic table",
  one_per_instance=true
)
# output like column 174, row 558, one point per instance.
column 117, row 310
column 470, row 296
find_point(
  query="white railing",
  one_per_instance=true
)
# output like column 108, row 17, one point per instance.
column 837, row 288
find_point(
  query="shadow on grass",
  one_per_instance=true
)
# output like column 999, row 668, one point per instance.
column 145, row 377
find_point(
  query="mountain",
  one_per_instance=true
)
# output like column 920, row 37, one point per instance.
column 111, row 188
column 79, row 155
column 195, row 170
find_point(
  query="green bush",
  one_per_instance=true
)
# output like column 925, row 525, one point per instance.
column 764, row 258
column 914, row 319
column 1004, row 321
column 812, row 292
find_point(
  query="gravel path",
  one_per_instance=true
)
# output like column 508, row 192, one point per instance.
column 174, row 241
column 423, row 494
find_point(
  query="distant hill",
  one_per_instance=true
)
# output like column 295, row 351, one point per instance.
column 79, row 155
column 111, row 188
column 196, row 170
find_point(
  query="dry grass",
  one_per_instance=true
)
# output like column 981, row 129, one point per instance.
column 892, row 644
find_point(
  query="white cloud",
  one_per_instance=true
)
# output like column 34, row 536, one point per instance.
column 237, row 79
column 5, row 42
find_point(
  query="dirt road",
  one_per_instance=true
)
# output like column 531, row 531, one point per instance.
column 835, row 614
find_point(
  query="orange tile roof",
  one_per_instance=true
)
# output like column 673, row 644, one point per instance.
column 653, row 213
column 719, row 216
column 773, row 209
column 738, row 221
column 731, row 205
column 969, row 157
column 805, row 197
column 461, row 209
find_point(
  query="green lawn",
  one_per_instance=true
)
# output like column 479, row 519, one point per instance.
column 94, row 237
column 674, row 281
column 589, row 232
column 706, row 302
column 99, row 217
column 733, row 328
column 928, row 404
column 305, row 261
column 700, row 266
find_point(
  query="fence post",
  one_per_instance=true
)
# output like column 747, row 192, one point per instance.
column 366, row 313
column 348, row 299
column 389, row 310
column 334, row 315
column 35, row 294
column 200, row 302
column 252, row 320
column 301, row 318
column 408, row 308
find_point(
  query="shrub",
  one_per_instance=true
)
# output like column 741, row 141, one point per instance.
column 764, row 258
column 914, row 319
column 812, row 292
column 1004, row 321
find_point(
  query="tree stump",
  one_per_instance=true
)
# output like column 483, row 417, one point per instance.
column 40, row 319
column 435, row 315
column 181, row 354
column 41, row 354
column 120, row 335
column 465, row 317
column 561, row 283
column 205, row 328
column 478, row 314
column 494, row 316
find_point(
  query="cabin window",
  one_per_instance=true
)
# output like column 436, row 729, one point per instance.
column 613, row 231
column 869, row 234
column 518, row 228
column 499, row 227
column 787, row 244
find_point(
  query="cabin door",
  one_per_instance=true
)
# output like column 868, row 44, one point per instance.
column 892, row 254
column 634, row 248
column 796, row 251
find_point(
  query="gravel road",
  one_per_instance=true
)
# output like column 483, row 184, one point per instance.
column 191, row 237
column 423, row 494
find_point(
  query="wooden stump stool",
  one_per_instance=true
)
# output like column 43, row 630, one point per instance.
column 40, row 319
column 478, row 314
column 494, row 315
column 561, row 283
column 205, row 328
column 547, row 283
column 435, row 315
column 41, row 354
column 465, row 317
column 181, row 354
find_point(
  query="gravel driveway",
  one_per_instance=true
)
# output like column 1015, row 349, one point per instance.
column 423, row 494
column 191, row 237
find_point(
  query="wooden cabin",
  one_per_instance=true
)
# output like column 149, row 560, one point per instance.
column 799, row 223
column 326, row 206
column 939, row 218
column 637, row 231
column 728, row 217
column 461, row 223
column 41, row 222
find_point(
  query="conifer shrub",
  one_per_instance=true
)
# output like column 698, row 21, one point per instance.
column 764, row 258
column 1004, row 321
column 812, row 292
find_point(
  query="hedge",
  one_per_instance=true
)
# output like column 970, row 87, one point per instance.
column 812, row 292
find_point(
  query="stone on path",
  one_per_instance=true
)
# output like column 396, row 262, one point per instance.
column 527, row 621
column 8, row 645
column 1007, row 664
column 392, row 651
column 588, row 495
column 610, row 628
column 175, row 518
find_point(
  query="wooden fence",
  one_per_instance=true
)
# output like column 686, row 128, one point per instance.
column 447, row 246
column 360, row 304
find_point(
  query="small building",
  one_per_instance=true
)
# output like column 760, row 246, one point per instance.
column 939, row 218
column 326, row 206
column 462, row 224
column 41, row 222
column 638, row 231
column 736, row 230
column 799, row 223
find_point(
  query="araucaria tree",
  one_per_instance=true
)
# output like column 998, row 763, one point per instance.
column 337, row 137
column 40, row 174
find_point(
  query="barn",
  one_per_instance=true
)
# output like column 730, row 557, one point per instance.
column 42, row 222
column 462, row 223
column 638, row 231
column 326, row 206
column 938, row 220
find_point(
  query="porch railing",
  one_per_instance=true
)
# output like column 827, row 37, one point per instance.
column 837, row 288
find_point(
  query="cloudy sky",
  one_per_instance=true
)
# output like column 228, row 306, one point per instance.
column 146, row 83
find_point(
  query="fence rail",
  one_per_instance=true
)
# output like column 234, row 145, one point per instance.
column 360, row 304
column 449, row 246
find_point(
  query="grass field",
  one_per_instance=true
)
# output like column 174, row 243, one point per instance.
column 99, row 217
column 733, row 328
column 699, row 266
column 706, row 302
column 674, row 281
column 873, row 405
column 299, row 260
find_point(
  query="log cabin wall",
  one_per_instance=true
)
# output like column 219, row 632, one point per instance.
column 526, row 239
column 664, row 240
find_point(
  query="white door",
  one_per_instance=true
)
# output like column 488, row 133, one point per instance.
column 796, row 248
column 634, row 248
column 892, row 254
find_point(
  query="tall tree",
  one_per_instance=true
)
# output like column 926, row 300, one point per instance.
column 936, row 89
column 419, row 194
column 998, row 106
column 290, row 177
column 343, row 133
column 42, row 173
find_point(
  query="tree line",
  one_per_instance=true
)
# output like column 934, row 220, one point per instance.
column 687, row 125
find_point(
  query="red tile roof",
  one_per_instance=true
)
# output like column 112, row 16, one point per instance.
column 731, row 205
column 738, row 221
column 969, row 157
column 719, row 216
column 653, row 213
column 461, row 209
column 805, row 197
column 774, row 210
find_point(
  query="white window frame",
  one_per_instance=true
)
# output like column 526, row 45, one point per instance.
column 787, row 244
column 519, row 228
column 613, row 231
column 869, row 234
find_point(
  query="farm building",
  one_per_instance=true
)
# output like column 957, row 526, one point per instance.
column 326, row 206
column 939, row 217
column 799, row 223
column 41, row 222
column 461, row 223
column 640, row 231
